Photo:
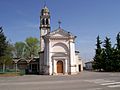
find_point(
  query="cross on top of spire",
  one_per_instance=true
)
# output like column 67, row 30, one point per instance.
column 59, row 22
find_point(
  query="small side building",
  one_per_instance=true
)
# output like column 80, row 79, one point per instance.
column 88, row 65
column 29, row 66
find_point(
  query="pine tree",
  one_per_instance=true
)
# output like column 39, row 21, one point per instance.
column 117, row 53
column 97, row 64
column 108, row 55
column 3, row 43
column 118, row 41
column 5, row 50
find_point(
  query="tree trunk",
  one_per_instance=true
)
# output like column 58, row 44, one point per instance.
column 16, row 67
column 3, row 67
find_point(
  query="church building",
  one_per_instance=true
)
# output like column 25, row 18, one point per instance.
column 57, row 49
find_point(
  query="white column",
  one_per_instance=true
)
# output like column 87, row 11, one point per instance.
column 49, row 21
column 66, row 67
column 55, row 67
column 50, row 59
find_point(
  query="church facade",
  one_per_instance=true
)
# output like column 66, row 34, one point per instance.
column 57, row 49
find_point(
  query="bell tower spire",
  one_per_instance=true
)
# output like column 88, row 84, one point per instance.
column 44, row 25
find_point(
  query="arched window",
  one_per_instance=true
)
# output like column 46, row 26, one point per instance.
column 47, row 21
column 43, row 21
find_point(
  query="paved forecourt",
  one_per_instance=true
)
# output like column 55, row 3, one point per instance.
column 82, row 81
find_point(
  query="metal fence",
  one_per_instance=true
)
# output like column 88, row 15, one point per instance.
column 8, row 71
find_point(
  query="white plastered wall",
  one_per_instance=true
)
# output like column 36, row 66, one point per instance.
column 72, row 57
column 60, row 48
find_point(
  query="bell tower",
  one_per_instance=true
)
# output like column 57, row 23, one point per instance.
column 44, row 25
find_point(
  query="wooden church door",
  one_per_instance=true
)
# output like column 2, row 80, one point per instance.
column 59, row 67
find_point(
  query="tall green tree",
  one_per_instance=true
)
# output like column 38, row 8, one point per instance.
column 118, row 41
column 32, row 47
column 97, row 64
column 5, row 50
column 107, row 58
column 117, row 53
column 27, row 49
column 3, row 42
column 6, row 59
column 19, row 49
column 108, row 55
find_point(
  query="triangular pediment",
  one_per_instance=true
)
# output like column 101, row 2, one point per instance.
column 59, row 33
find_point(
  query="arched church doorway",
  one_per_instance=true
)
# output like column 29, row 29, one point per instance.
column 59, row 67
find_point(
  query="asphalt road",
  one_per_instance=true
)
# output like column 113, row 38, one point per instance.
column 82, row 81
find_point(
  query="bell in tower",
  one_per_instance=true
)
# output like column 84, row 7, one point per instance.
column 44, row 25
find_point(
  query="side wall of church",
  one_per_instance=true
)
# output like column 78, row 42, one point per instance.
column 72, row 57
column 79, row 63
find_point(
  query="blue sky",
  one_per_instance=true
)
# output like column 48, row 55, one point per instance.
column 84, row 18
